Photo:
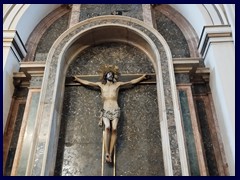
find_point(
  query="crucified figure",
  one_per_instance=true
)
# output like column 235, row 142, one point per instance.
column 111, row 112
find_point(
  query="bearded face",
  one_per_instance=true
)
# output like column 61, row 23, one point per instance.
column 110, row 76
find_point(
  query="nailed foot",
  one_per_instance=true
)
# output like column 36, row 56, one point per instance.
column 108, row 158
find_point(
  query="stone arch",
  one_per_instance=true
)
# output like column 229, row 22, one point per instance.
column 94, row 31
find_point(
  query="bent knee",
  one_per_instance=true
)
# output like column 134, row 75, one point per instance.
column 107, row 129
column 114, row 131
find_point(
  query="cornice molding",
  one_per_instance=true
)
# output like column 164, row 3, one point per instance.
column 12, row 39
column 214, row 34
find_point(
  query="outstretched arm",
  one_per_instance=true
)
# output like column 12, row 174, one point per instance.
column 134, row 81
column 85, row 82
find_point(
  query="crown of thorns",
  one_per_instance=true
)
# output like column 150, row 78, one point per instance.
column 104, row 69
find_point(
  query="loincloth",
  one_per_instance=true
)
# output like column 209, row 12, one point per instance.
column 111, row 115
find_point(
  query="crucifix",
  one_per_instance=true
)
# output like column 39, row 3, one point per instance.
column 110, row 113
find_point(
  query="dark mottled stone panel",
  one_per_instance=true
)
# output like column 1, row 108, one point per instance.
column 48, row 38
column 9, row 162
column 139, row 150
column 93, row 10
column 18, row 124
column 173, row 35
column 21, row 92
column 182, row 78
column 199, row 89
column 13, row 145
column 188, row 132
column 206, row 138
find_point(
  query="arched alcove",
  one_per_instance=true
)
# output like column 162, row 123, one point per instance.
column 139, row 137
column 92, row 32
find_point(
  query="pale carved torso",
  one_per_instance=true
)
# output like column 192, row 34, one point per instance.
column 109, row 93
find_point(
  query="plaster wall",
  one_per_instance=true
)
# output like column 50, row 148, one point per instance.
column 20, row 17
column 222, row 83
column 11, row 65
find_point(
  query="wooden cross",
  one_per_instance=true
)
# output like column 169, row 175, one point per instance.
column 123, row 77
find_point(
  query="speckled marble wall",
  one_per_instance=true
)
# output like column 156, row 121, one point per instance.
column 127, row 58
column 165, row 26
column 80, row 141
column 48, row 38
column 173, row 35
column 92, row 10
column 139, row 150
